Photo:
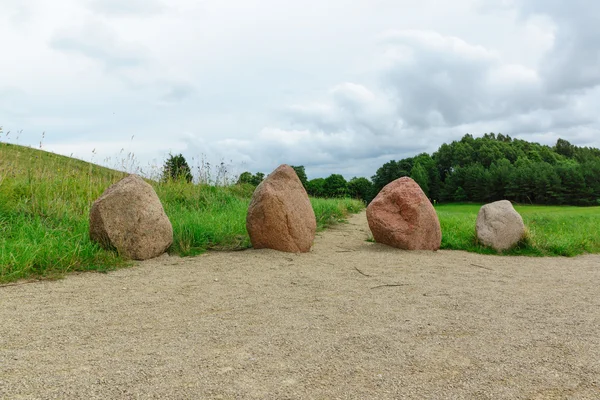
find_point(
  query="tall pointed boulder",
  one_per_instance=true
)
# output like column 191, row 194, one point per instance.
column 280, row 215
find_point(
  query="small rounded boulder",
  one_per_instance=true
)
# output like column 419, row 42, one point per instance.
column 130, row 218
column 499, row 225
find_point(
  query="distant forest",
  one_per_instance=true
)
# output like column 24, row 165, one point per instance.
column 489, row 168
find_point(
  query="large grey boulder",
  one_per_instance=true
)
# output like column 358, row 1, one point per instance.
column 280, row 215
column 130, row 217
column 499, row 225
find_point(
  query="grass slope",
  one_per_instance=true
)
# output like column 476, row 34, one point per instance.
column 45, row 201
column 552, row 230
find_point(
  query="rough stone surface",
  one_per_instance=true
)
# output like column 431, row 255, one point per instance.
column 499, row 225
column 402, row 216
column 130, row 217
column 280, row 215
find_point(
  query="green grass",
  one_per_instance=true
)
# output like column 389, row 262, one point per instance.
column 205, row 217
column 552, row 230
column 45, row 201
column 329, row 212
column 208, row 217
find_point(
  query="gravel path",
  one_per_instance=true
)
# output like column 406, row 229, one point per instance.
column 349, row 320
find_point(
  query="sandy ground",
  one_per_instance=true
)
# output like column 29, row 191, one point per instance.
column 349, row 320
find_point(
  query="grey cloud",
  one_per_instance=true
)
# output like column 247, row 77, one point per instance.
column 321, row 153
column 21, row 15
column 430, row 85
column 177, row 92
column 16, row 11
column 422, row 90
column 127, row 7
column 433, row 89
column 572, row 64
column 99, row 42
column 444, row 81
column 349, row 107
column 489, row 6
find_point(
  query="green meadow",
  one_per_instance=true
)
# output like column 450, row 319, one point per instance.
column 552, row 230
column 45, row 201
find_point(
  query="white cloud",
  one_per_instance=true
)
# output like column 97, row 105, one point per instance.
column 337, row 87
column 94, row 39
column 127, row 8
column 570, row 64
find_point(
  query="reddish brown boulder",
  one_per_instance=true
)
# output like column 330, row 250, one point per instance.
column 499, row 225
column 130, row 217
column 280, row 215
column 402, row 216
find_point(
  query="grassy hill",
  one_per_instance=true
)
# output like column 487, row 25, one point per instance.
column 45, row 201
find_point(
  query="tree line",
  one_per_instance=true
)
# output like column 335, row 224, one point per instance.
column 334, row 185
column 496, row 167
column 489, row 168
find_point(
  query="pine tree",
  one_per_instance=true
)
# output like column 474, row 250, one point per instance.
column 176, row 168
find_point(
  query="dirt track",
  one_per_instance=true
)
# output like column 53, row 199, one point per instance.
column 323, row 325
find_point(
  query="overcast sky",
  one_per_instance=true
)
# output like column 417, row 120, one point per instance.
column 339, row 86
